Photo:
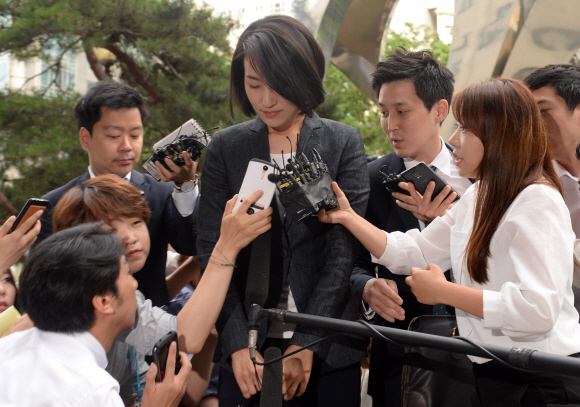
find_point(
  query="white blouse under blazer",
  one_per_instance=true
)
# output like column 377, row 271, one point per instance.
column 528, row 300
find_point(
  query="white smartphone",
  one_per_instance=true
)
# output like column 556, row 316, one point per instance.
column 256, row 179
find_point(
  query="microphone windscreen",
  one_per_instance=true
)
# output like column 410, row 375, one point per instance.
column 289, row 167
column 273, row 178
column 272, row 380
column 258, row 282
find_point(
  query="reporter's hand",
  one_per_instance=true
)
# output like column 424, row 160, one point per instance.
column 238, row 229
column 421, row 205
column 245, row 373
column 296, row 371
column 340, row 214
column 180, row 174
column 383, row 297
column 170, row 391
column 427, row 284
column 15, row 244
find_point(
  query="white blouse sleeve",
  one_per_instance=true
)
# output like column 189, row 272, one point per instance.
column 539, row 255
column 417, row 249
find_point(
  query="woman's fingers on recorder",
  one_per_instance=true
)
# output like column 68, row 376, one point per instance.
column 343, row 203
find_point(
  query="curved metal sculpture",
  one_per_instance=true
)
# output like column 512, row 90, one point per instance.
column 350, row 33
column 511, row 38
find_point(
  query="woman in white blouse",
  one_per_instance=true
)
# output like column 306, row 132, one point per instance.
column 509, row 241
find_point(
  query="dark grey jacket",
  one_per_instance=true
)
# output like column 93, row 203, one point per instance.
column 318, row 258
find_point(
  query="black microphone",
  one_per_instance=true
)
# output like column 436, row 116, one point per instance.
column 257, row 285
column 272, row 380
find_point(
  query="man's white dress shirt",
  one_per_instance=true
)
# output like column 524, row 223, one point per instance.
column 571, row 189
column 42, row 368
column 528, row 300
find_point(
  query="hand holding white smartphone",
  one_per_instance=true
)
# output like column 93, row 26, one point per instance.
column 256, row 179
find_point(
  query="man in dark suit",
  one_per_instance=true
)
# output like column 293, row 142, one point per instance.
column 414, row 91
column 110, row 119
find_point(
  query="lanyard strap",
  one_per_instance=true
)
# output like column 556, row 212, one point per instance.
column 139, row 392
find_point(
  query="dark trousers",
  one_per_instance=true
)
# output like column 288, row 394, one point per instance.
column 327, row 386
column 500, row 386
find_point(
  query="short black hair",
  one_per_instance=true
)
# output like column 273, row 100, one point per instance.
column 288, row 59
column 111, row 95
column 565, row 79
column 65, row 272
column 432, row 80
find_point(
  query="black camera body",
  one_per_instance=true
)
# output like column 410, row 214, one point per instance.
column 391, row 182
column 190, row 144
column 189, row 137
column 306, row 187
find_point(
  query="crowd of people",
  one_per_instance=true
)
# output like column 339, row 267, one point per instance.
column 495, row 247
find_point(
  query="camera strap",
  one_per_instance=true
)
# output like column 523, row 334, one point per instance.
column 137, row 395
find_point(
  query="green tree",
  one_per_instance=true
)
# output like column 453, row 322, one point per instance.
column 346, row 103
column 173, row 52
column 414, row 38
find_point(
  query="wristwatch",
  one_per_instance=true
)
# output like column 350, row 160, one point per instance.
column 187, row 186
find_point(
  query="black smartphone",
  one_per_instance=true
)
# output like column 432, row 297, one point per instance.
column 160, row 353
column 420, row 176
column 32, row 206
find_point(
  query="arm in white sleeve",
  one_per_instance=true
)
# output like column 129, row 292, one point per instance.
column 539, row 261
column 418, row 249
column 185, row 201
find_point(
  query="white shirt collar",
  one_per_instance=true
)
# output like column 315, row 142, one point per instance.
column 126, row 177
column 96, row 348
column 85, row 338
column 442, row 161
column 561, row 171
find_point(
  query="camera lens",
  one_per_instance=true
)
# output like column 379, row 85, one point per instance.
column 265, row 168
column 250, row 211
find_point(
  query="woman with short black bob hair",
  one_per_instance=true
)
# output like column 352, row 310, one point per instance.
column 296, row 71
column 277, row 71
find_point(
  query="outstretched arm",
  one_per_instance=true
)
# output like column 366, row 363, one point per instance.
column 372, row 238
column 238, row 229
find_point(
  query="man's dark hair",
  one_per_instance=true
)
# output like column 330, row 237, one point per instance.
column 110, row 95
column 288, row 59
column 432, row 80
column 65, row 272
column 565, row 79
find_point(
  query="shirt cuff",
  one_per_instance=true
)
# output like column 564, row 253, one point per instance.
column 390, row 252
column 185, row 201
column 492, row 309
column 367, row 311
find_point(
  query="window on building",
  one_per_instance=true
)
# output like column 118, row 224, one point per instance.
column 4, row 70
column 66, row 74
